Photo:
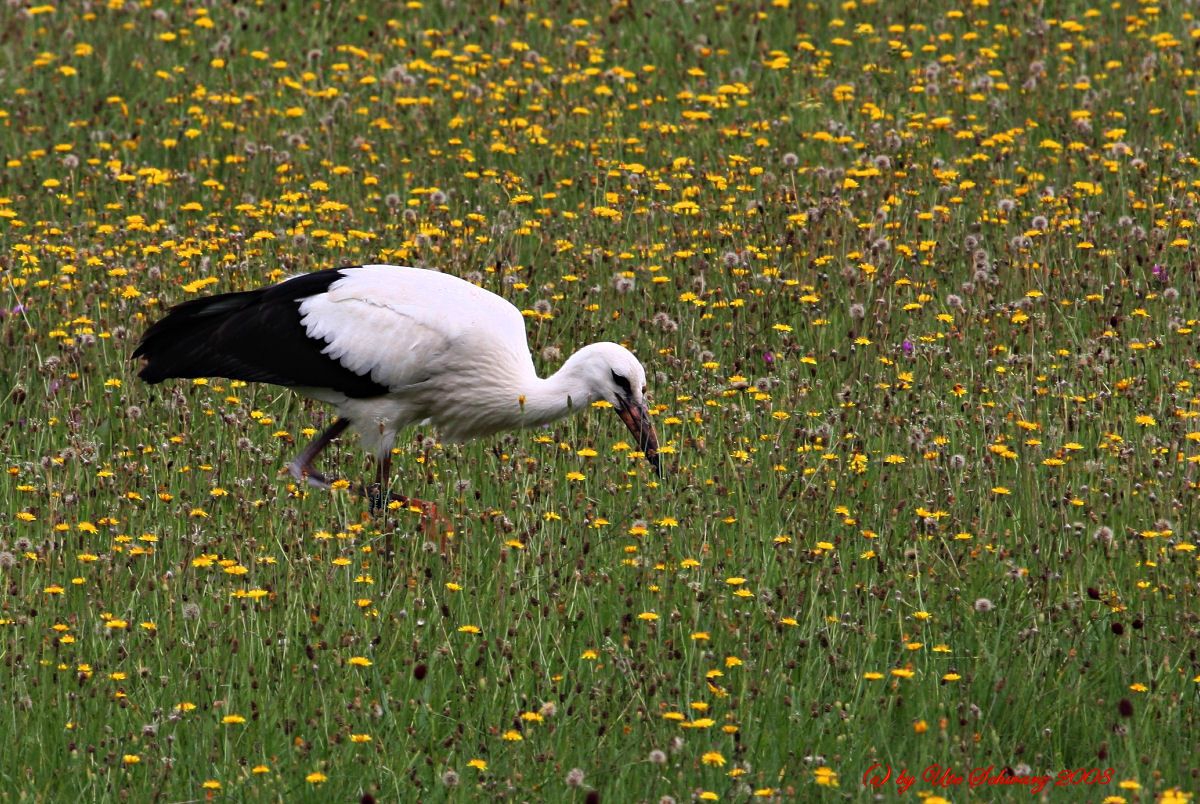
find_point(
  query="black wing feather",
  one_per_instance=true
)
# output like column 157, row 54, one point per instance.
column 254, row 336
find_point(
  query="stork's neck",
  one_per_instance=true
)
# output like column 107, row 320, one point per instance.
column 562, row 393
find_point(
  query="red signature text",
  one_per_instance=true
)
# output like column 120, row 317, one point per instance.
column 880, row 775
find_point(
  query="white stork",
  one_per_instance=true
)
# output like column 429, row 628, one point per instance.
column 389, row 346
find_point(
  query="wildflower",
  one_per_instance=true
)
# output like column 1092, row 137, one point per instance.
column 826, row 777
column 316, row 777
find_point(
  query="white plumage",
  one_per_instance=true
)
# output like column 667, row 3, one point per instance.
column 389, row 346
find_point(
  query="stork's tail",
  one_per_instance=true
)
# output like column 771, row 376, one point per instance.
column 180, row 344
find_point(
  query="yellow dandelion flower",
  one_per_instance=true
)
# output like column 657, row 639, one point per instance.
column 826, row 777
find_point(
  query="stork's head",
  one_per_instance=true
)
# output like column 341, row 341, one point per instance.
column 612, row 373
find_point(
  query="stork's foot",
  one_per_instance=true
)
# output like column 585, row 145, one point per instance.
column 432, row 522
column 305, row 473
column 376, row 500
column 301, row 467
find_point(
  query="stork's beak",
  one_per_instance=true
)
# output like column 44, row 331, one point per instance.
column 637, row 419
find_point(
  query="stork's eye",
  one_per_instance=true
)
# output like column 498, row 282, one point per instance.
column 622, row 382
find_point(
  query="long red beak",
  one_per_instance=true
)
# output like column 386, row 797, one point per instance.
column 637, row 419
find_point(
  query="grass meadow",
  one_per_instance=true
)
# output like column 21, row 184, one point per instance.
column 916, row 288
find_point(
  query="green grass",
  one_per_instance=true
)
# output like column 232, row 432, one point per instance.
column 917, row 293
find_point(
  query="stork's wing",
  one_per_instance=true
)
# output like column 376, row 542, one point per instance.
column 402, row 326
column 255, row 336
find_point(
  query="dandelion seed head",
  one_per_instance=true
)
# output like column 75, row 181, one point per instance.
column 664, row 322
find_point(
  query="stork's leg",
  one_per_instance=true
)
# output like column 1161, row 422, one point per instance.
column 302, row 469
column 376, row 493
column 379, row 496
